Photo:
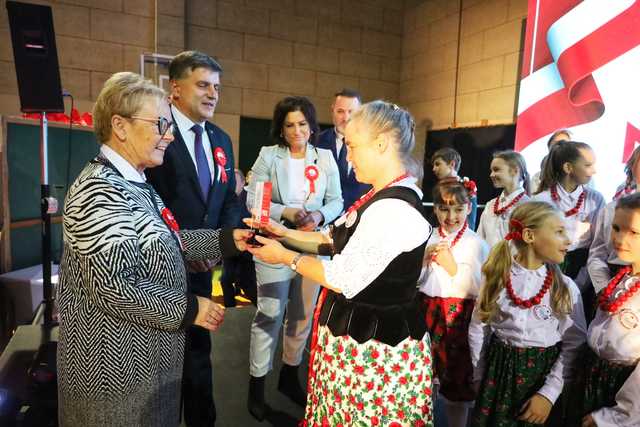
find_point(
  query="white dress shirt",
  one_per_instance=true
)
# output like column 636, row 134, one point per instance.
column 125, row 168
column 601, row 251
column 611, row 340
column 297, row 183
column 492, row 227
column 189, row 137
column 580, row 226
column 387, row 228
column 469, row 254
column 532, row 327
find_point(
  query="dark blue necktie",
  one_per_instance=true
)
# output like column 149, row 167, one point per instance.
column 204, row 174
column 343, row 166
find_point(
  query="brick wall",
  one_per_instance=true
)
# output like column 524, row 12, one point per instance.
column 404, row 51
column 488, row 61
column 489, row 51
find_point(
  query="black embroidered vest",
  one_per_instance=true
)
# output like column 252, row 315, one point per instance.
column 389, row 309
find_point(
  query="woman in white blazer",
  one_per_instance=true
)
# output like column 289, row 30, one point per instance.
column 305, row 194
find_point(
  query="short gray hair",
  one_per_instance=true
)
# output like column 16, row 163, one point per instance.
column 123, row 94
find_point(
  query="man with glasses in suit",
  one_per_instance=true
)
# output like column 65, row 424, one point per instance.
column 197, row 183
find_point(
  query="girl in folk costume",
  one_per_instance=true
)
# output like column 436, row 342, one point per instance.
column 370, row 360
column 509, row 172
column 528, row 323
column 632, row 169
column 603, row 262
column 608, row 384
column 450, row 283
column 569, row 167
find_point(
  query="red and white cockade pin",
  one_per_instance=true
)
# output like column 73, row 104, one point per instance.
column 221, row 160
column 311, row 173
column 171, row 222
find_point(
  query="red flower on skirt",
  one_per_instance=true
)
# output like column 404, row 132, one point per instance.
column 385, row 411
column 400, row 414
column 347, row 381
column 340, row 348
column 354, row 352
column 370, row 385
column 425, row 409
column 378, row 401
column 359, row 370
column 375, row 353
column 403, row 380
column 380, row 370
column 374, row 421
column 519, row 380
column 395, row 424
column 347, row 417
column 360, row 406
column 405, row 356
column 391, row 398
column 419, row 423
column 396, row 368
column 412, row 366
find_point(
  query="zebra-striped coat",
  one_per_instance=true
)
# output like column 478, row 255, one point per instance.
column 123, row 303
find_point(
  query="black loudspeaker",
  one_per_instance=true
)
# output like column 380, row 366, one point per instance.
column 36, row 57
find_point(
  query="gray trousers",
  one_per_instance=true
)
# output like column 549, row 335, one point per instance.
column 296, row 296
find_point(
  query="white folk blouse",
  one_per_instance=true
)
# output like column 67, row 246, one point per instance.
column 533, row 327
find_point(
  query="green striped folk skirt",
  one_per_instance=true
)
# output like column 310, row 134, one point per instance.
column 512, row 376
column 596, row 385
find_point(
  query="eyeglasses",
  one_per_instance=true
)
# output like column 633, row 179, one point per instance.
column 163, row 124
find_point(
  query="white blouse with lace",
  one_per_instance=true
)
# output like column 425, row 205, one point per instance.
column 387, row 228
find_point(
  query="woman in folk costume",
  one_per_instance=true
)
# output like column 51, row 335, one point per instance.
column 607, row 391
column 509, row 172
column 305, row 193
column 528, row 323
column 449, row 285
column 370, row 362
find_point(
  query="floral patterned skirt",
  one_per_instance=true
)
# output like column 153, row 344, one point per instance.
column 596, row 385
column 512, row 376
column 448, row 324
column 369, row 384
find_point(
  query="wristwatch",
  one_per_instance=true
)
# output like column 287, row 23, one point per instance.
column 294, row 263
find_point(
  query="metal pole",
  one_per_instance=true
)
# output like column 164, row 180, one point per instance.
column 46, row 224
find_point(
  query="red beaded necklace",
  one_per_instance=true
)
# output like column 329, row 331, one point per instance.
column 624, row 191
column 537, row 298
column 455, row 239
column 499, row 211
column 556, row 198
column 366, row 197
column 613, row 306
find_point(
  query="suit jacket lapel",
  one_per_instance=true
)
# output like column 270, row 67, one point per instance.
column 187, row 162
column 217, row 174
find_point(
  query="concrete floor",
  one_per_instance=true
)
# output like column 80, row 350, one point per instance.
column 231, row 376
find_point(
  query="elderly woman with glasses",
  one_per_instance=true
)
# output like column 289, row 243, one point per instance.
column 122, row 296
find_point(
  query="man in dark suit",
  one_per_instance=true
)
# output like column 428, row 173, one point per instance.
column 197, row 183
column 346, row 101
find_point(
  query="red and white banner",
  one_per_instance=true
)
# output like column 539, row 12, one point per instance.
column 581, row 71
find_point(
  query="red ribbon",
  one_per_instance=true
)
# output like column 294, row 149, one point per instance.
column 311, row 173
column 170, row 220
column 221, row 160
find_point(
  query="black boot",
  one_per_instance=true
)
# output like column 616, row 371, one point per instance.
column 255, row 403
column 289, row 385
